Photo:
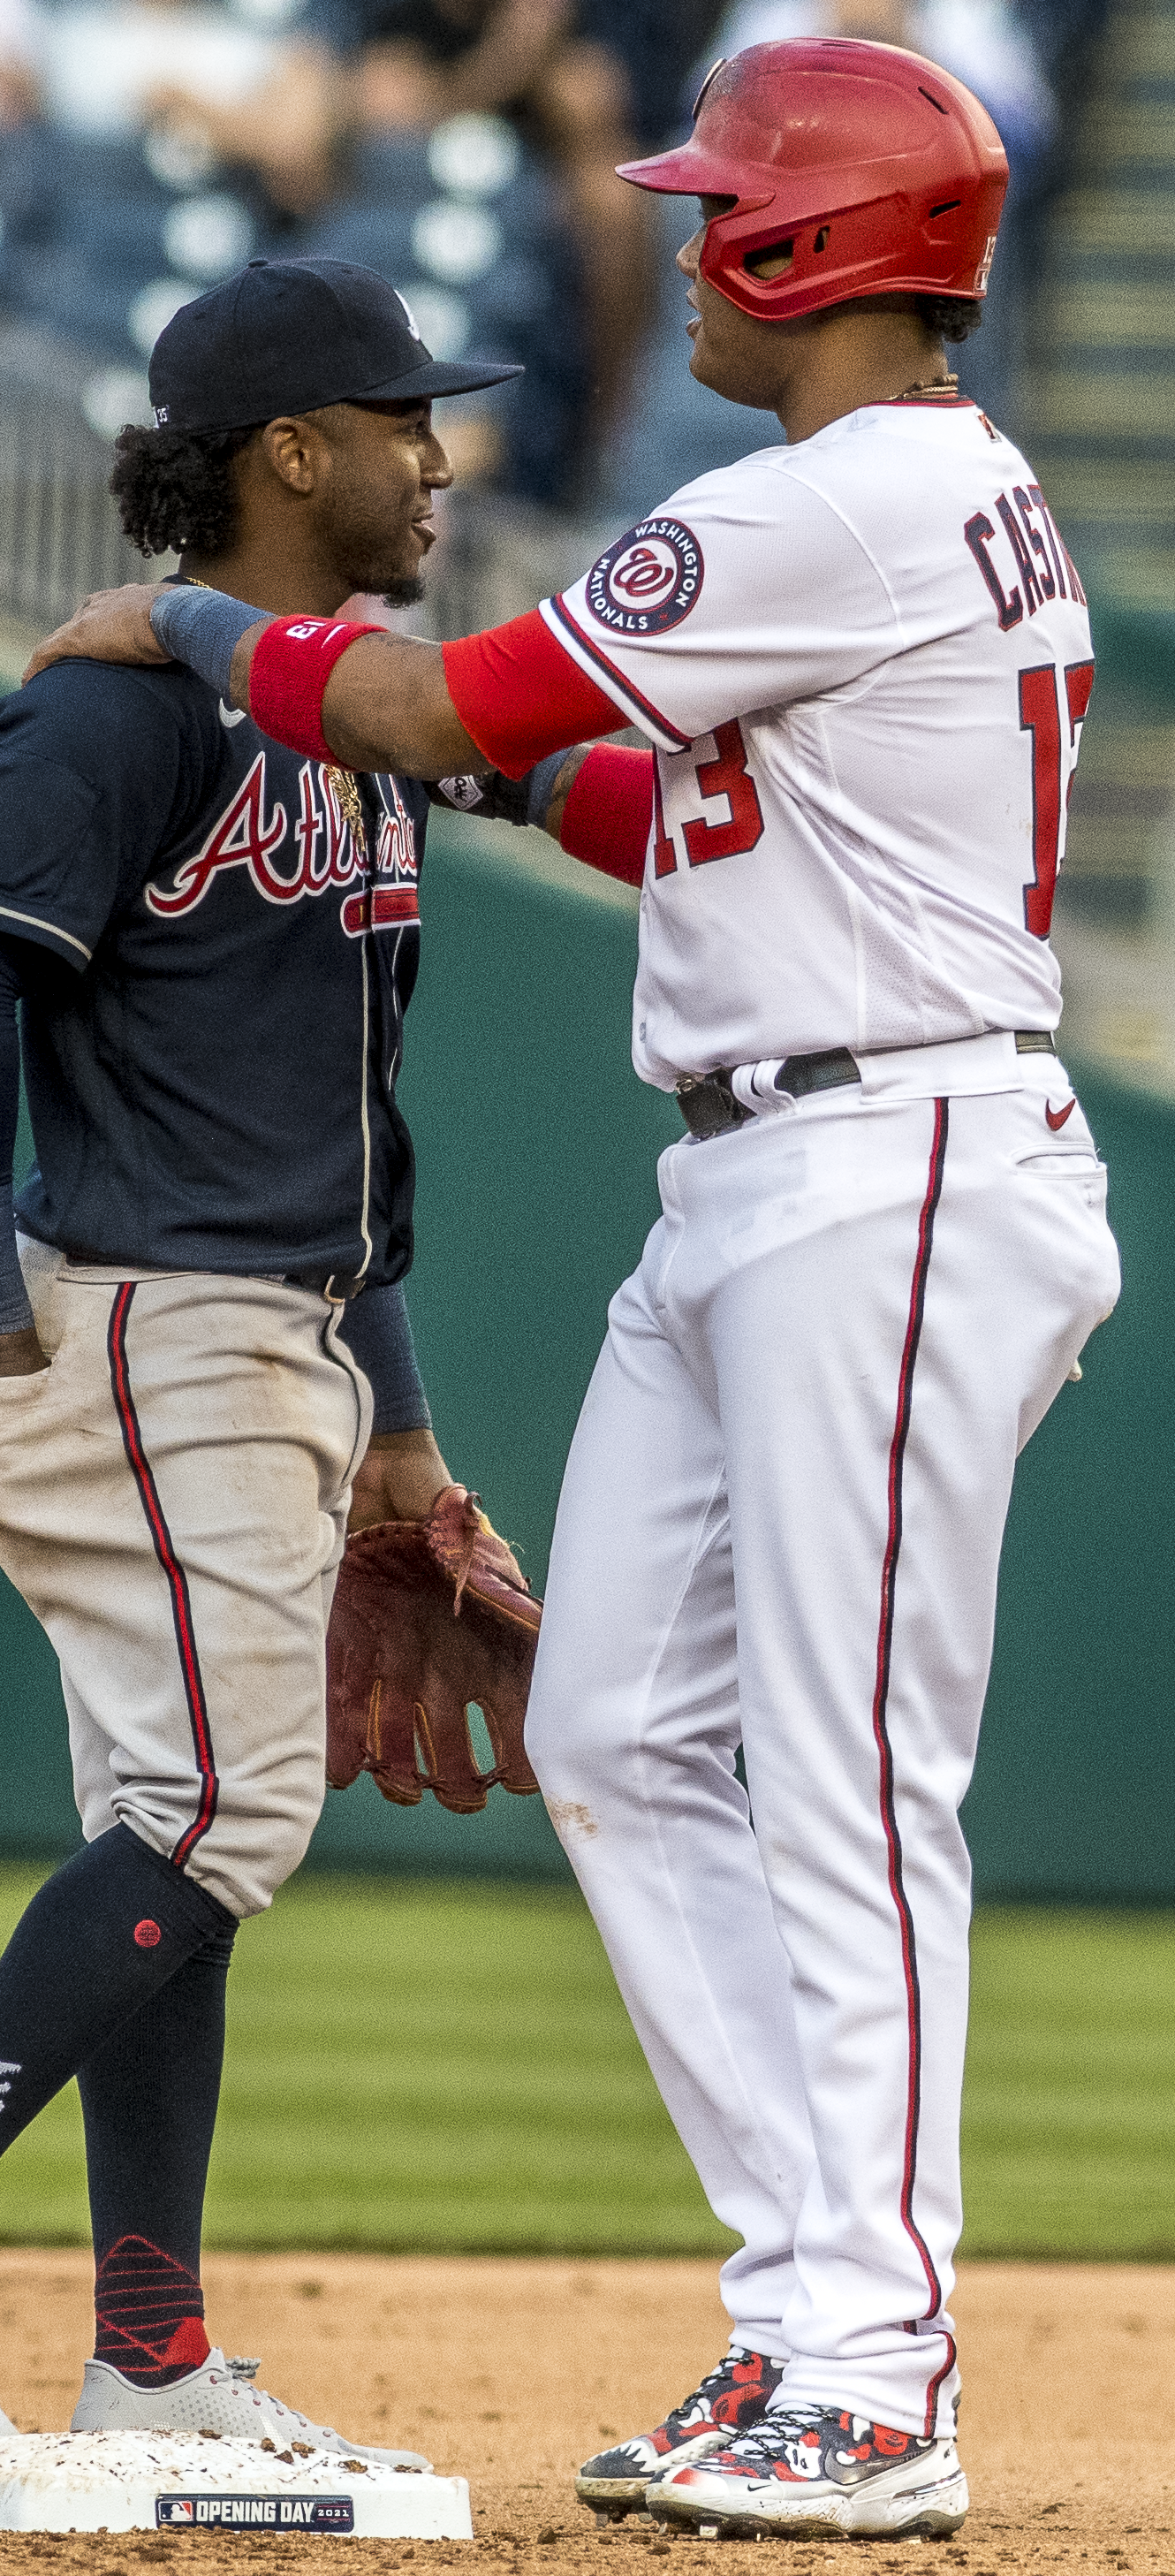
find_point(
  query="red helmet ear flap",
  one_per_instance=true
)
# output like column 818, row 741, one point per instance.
column 773, row 269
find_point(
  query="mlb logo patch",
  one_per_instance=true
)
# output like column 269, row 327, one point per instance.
column 291, row 2515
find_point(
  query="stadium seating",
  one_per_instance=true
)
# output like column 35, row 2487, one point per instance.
column 102, row 241
column 119, row 248
column 465, row 222
column 1100, row 398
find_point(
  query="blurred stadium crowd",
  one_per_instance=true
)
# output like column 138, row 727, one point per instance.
column 464, row 148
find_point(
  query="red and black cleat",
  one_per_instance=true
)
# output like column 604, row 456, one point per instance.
column 728, row 2400
column 815, row 2469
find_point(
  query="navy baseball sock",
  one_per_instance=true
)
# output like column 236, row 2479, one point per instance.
column 98, row 1941
column 149, row 2098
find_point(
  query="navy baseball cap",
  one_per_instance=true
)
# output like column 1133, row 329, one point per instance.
column 291, row 335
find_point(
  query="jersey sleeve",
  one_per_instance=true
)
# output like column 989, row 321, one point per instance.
column 749, row 589
column 91, row 773
column 377, row 1332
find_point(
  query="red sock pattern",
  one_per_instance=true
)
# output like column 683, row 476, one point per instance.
column 149, row 2313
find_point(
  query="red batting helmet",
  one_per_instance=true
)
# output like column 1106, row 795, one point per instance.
column 877, row 172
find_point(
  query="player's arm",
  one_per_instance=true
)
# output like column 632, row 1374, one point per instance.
column 403, row 1471
column 397, row 697
column 377, row 701
column 596, row 801
column 337, row 690
column 569, row 672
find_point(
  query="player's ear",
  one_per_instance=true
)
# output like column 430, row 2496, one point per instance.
column 290, row 448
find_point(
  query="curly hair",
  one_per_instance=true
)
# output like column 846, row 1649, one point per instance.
column 950, row 317
column 174, row 488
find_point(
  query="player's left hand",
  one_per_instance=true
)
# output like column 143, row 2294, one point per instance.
column 399, row 1480
column 110, row 626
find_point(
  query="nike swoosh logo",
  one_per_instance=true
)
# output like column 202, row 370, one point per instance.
column 230, row 716
column 1057, row 1117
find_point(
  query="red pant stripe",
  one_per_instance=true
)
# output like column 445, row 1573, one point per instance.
column 881, row 1706
column 177, row 1581
column 936, row 2382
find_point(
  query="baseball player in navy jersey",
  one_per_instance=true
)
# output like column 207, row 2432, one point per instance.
column 863, row 661
column 216, row 941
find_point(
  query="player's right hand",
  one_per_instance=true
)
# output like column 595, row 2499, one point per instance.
column 21, row 1354
column 110, row 626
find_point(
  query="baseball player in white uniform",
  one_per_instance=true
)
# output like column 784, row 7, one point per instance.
column 863, row 661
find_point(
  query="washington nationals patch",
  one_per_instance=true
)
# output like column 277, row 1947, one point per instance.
column 648, row 580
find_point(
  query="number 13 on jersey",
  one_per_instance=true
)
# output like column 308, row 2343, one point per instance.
column 1050, row 698
column 724, row 836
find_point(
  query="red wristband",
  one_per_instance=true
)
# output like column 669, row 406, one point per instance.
column 291, row 666
column 609, row 811
column 520, row 696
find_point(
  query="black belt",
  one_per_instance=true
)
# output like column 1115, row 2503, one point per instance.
column 709, row 1108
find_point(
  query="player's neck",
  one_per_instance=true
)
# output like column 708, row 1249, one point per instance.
column 816, row 408
column 859, row 363
column 283, row 581
column 823, row 366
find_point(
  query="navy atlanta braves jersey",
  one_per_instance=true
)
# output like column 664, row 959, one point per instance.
column 214, row 1027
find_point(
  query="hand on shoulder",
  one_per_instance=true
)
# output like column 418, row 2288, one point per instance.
column 110, row 626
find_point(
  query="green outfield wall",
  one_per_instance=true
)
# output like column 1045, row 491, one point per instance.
column 537, row 1149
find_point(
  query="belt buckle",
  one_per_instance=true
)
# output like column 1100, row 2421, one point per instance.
column 828, row 1070
column 338, row 1287
column 341, row 1287
column 707, row 1102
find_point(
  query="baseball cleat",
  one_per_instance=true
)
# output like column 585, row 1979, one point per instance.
column 729, row 2398
column 218, row 2398
column 815, row 2469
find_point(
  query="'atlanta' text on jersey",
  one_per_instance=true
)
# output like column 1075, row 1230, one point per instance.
column 249, row 834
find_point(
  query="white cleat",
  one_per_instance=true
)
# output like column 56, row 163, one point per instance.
column 219, row 2398
column 732, row 2396
column 817, row 2470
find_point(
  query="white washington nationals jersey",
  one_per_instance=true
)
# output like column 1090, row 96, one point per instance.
column 864, row 662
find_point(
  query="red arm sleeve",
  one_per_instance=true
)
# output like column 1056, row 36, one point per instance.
column 521, row 696
column 608, row 813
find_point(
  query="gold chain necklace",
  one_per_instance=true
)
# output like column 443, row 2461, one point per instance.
column 343, row 782
column 945, row 386
column 345, row 786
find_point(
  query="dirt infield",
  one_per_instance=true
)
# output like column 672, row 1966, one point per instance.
column 511, row 2372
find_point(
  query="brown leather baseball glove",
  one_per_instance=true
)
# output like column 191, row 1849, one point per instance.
column 428, row 1617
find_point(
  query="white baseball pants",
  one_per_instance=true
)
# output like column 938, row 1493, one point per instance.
column 173, row 1502
column 781, row 1524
